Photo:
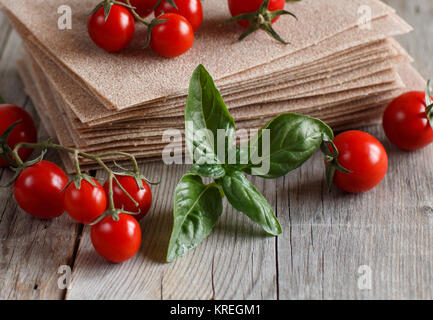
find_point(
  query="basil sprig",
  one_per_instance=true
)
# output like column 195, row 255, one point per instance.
column 293, row 140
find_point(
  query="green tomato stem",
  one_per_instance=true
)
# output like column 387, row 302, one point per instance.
column 97, row 158
column 77, row 163
column 136, row 15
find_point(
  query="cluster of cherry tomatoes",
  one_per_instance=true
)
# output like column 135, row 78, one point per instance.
column 171, row 33
column 44, row 191
column 111, row 25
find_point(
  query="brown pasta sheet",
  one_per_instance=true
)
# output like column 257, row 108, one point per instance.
column 100, row 102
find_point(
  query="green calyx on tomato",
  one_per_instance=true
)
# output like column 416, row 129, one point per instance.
column 78, row 179
column 8, row 155
column 107, row 4
column 294, row 138
column 331, row 159
column 16, row 126
column 429, row 103
column 5, row 149
column 171, row 2
column 154, row 23
column 261, row 19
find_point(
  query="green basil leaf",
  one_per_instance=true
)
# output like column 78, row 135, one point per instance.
column 244, row 197
column 214, row 171
column 197, row 208
column 205, row 110
column 294, row 138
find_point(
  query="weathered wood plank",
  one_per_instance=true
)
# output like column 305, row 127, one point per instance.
column 329, row 236
column 31, row 250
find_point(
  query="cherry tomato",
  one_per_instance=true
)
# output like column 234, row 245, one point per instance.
column 190, row 9
column 116, row 241
column 405, row 121
column 173, row 37
column 87, row 203
column 143, row 7
column 364, row 156
column 121, row 200
column 238, row 7
column 38, row 190
column 114, row 34
column 25, row 131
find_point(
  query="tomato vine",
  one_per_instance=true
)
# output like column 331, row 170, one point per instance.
column 18, row 165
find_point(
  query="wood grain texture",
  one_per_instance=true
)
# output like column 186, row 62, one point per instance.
column 31, row 251
column 326, row 236
column 330, row 235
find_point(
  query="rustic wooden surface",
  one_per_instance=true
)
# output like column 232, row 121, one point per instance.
column 327, row 236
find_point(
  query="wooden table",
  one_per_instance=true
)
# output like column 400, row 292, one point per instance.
column 330, row 244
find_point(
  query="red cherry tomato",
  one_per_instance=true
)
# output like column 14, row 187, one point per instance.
column 364, row 156
column 114, row 34
column 238, row 7
column 25, row 131
column 192, row 10
column 173, row 37
column 38, row 190
column 143, row 7
column 121, row 200
column 87, row 203
column 405, row 121
column 116, row 241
